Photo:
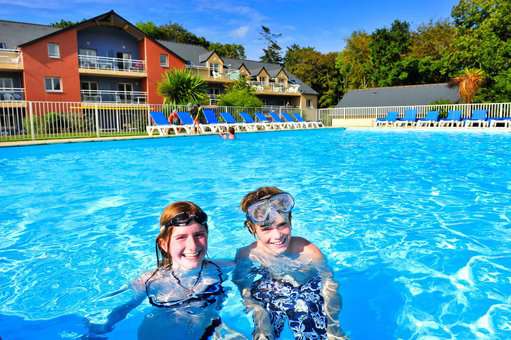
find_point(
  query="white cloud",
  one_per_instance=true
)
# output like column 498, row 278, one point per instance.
column 239, row 32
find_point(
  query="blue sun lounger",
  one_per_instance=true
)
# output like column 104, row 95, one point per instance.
column 263, row 120
column 161, row 124
column 494, row 122
column 431, row 119
column 186, row 123
column 410, row 118
column 230, row 121
column 250, row 122
column 279, row 122
column 479, row 117
column 453, row 119
column 312, row 124
column 213, row 125
column 389, row 120
column 290, row 120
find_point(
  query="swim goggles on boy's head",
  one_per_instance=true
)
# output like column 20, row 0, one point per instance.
column 260, row 212
column 183, row 219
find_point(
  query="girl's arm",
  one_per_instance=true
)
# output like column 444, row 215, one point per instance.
column 119, row 313
column 116, row 315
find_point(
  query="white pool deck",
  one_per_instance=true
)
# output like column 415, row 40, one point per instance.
column 485, row 130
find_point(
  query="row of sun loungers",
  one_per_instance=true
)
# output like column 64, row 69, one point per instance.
column 285, row 121
column 454, row 118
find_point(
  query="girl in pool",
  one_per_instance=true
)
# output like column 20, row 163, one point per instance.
column 185, row 289
column 282, row 277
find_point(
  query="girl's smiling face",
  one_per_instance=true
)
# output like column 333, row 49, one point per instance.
column 188, row 245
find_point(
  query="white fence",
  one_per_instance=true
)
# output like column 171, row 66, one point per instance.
column 495, row 110
column 31, row 120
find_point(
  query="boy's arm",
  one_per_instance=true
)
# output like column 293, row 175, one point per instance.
column 329, row 291
column 263, row 328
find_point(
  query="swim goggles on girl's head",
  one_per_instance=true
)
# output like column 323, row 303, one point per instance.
column 184, row 219
column 259, row 212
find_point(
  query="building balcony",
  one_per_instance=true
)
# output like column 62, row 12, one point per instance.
column 10, row 60
column 275, row 89
column 11, row 94
column 210, row 75
column 107, row 96
column 106, row 66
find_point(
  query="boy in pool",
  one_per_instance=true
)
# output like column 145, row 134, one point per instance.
column 185, row 289
column 229, row 135
column 282, row 277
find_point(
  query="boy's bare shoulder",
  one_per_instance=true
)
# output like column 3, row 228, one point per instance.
column 306, row 247
column 244, row 252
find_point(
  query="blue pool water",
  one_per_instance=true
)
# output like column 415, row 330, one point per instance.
column 415, row 225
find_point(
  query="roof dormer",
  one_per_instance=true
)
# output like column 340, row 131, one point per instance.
column 263, row 76
column 244, row 71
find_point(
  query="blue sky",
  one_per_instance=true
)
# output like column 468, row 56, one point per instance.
column 321, row 24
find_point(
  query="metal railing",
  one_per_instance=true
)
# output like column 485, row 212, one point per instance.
column 207, row 73
column 108, row 96
column 111, row 64
column 274, row 87
column 10, row 56
column 495, row 110
column 36, row 120
column 11, row 93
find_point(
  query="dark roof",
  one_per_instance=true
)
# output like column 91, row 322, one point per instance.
column 190, row 53
column 400, row 95
column 15, row 33
column 19, row 34
column 110, row 18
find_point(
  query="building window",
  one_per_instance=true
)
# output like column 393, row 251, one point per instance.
column 3, row 45
column 53, row 84
column 6, row 83
column 214, row 70
column 309, row 103
column 89, row 91
column 53, row 50
column 164, row 60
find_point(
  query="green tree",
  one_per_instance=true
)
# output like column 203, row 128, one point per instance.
column 180, row 87
column 484, row 41
column 272, row 52
column 241, row 94
column 433, row 40
column 388, row 46
column 354, row 62
column 316, row 70
column 64, row 23
column 172, row 32
column 234, row 51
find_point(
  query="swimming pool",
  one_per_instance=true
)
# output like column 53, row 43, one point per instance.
column 416, row 225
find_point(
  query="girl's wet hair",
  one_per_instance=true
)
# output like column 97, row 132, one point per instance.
column 168, row 213
column 255, row 196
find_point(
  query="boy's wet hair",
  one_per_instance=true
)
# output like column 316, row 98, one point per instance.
column 255, row 196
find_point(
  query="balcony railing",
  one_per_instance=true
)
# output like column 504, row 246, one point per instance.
column 111, row 64
column 10, row 57
column 274, row 87
column 11, row 94
column 207, row 74
column 107, row 96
